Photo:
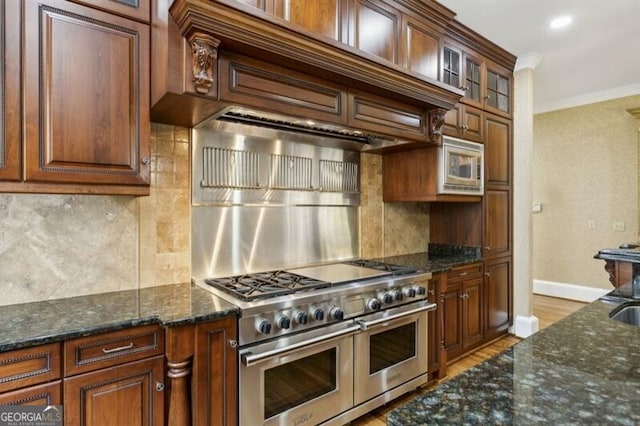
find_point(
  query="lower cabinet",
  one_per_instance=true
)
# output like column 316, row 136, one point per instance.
column 498, row 296
column 115, row 378
column 128, row 394
column 437, row 360
column 476, row 305
column 31, row 376
column 214, row 371
column 462, row 307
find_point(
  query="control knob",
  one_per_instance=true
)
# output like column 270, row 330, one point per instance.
column 318, row 314
column 263, row 326
column 410, row 292
column 387, row 297
column 301, row 317
column 421, row 290
column 336, row 313
column 284, row 322
column 373, row 304
column 397, row 294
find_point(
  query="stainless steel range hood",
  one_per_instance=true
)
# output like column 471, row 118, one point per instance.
column 310, row 131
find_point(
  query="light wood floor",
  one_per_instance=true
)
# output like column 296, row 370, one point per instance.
column 547, row 309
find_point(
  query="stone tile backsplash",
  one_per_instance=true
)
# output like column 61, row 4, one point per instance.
column 56, row 246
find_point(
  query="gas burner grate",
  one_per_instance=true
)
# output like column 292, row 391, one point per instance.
column 381, row 266
column 262, row 285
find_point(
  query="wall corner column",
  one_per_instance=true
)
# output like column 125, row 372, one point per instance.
column 525, row 323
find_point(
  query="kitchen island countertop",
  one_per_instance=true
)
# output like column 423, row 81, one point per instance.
column 584, row 369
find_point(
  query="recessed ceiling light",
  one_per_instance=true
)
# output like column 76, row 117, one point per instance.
column 560, row 22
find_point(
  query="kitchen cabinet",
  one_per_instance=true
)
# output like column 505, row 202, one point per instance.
column 134, row 9
column 385, row 19
column 31, row 375
column 463, row 310
column 115, row 378
column 486, row 84
column 215, row 373
column 465, row 122
column 497, row 200
column 86, row 107
column 420, row 46
column 323, row 18
column 498, row 296
column 10, row 25
column 412, row 176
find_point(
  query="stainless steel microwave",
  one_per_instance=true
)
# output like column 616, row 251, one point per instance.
column 460, row 167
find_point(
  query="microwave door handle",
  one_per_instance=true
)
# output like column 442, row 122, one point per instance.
column 250, row 359
column 368, row 324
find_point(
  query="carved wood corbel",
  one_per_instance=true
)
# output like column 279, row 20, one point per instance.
column 610, row 268
column 436, row 120
column 204, row 49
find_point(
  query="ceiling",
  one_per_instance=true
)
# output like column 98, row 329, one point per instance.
column 595, row 58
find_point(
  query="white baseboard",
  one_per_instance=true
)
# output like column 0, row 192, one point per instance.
column 568, row 291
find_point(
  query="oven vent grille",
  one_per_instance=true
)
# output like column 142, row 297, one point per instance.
column 228, row 168
column 338, row 176
column 290, row 172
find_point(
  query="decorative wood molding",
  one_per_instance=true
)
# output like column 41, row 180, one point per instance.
column 204, row 49
column 436, row 121
column 263, row 37
column 610, row 268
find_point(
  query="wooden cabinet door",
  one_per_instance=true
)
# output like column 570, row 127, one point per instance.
column 497, row 223
column 473, row 79
column 420, row 47
column 497, row 151
column 472, row 312
column 10, row 166
column 498, row 297
column 465, row 122
column 452, row 319
column 322, row 17
column 128, row 394
column 374, row 29
column 498, row 96
column 86, row 95
column 46, row 394
column 215, row 373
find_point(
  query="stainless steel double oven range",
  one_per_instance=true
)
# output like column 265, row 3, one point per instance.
column 327, row 343
column 324, row 337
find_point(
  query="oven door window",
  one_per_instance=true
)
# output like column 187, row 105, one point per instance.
column 392, row 347
column 296, row 382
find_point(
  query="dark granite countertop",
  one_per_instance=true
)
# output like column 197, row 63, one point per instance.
column 439, row 258
column 584, row 369
column 37, row 323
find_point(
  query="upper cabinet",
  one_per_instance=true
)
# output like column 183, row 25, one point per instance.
column 86, row 98
column 319, row 17
column 473, row 65
column 375, row 29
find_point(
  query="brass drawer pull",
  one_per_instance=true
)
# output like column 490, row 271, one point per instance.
column 118, row 349
column 462, row 274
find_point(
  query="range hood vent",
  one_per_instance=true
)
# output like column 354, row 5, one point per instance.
column 358, row 139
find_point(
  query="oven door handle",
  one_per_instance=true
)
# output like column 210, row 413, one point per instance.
column 365, row 325
column 250, row 359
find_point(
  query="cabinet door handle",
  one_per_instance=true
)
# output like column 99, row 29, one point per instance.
column 145, row 160
column 488, row 248
column 159, row 386
column 487, row 274
column 432, row 292
column 118, row 349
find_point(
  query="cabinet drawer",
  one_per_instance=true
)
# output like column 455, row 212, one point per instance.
column 46, row 394
column 464, row 272
column 30, row 366
column 107, row 349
